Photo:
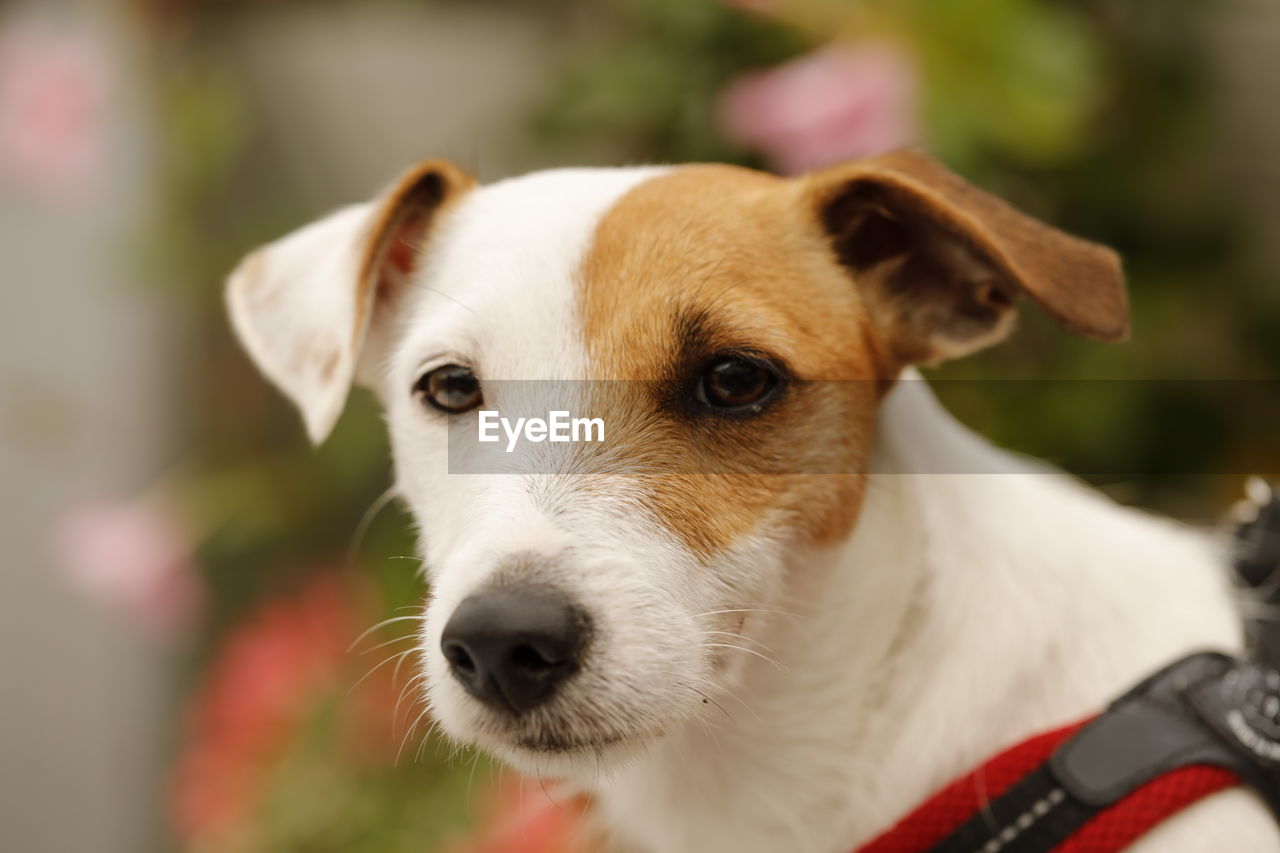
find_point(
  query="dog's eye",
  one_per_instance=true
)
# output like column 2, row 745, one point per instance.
column 451, row 388
column 736, row 383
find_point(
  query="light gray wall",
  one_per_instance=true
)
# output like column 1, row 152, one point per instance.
column 347, row 97
column 81, row 354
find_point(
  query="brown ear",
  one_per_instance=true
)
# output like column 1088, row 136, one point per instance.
column 942, row 261
column 308, row 307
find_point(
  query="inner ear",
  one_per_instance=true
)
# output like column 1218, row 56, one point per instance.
column 394, row 245
column 934, row 292
column 865, row 233
column 396, row 241
column 400, row 230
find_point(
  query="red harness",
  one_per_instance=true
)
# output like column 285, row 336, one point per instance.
column 1110, row 829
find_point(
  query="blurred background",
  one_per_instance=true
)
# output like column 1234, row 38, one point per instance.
column 187, row 584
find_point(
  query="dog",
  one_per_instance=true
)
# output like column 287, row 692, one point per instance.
column 788, row 596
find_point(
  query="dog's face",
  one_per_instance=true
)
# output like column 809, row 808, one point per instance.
column 734, row 332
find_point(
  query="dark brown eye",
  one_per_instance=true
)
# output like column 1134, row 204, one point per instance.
column 736, row 383
column 451, row 388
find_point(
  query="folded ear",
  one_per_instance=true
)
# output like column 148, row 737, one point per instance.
column 941, row 262
column 304, row 306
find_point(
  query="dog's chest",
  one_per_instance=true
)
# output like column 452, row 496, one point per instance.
column 719, row 791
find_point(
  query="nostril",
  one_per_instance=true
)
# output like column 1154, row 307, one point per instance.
column 459, row 658
column 528, row 658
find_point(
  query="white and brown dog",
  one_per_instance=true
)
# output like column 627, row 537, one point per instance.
column 766, row 613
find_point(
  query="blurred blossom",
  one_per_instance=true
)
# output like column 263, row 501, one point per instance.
column 836, row 104
column 529, row 817
column 53, row 89
column 274, row 671
column 137, row 557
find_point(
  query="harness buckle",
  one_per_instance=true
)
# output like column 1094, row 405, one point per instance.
column 1205, row 709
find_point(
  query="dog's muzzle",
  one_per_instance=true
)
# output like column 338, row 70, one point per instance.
column 513, row 647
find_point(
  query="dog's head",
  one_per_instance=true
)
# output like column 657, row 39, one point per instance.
column 734, row 331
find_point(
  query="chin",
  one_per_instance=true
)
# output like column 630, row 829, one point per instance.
column 557, row 742
column 570, row 757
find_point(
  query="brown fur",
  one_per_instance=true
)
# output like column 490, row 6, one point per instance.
column 1077, row 283
column 732, row 249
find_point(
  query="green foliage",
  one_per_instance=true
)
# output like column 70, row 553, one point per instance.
column 1017, row 76
column 1011, row 76
column 319, row 802
column 648, row 83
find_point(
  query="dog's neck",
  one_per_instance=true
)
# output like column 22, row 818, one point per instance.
column 980, row 599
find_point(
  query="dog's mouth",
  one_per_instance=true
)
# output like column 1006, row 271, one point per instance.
column 551, row 737
column 561, row 743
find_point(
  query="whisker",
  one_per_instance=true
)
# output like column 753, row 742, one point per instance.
column 742, row 637
column 471, row 779
column 395, row 640
column 384, row 623
column 705, row 697
column 395, row 672
column 735, row 697
column 366, row 521
column 432, row 729
column 386, row 661
column 408, row 687
column 409, row 734
column 762, row 657
column 748, row 610
column 452, row 299
column 542, row 783
column 457, row 750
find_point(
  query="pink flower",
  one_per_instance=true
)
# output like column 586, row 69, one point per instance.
column 135, row 556
column 53, row 93
column 257, row 689
column 530, row 817
column 836, row 104
column 282, row 663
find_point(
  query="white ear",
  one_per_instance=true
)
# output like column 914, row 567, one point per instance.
column 302, row 305
column 293, row 304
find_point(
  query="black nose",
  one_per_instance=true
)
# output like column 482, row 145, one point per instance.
column 511, row 647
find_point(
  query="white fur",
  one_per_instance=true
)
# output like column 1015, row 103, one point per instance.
column 293, row 304
column 980, row 599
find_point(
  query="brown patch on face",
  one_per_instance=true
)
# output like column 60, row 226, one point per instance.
column 715, row 259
